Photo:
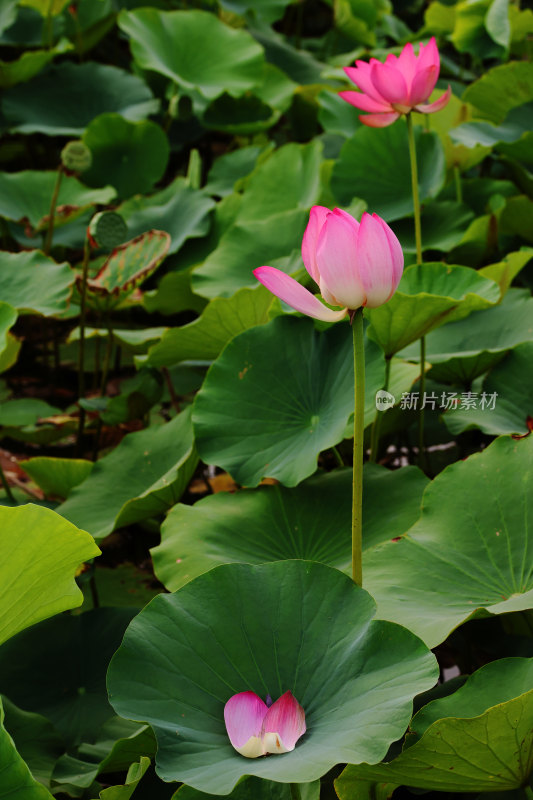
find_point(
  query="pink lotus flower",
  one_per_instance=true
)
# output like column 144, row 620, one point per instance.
column 354, row 264
column 254, row 729
column 400, row 85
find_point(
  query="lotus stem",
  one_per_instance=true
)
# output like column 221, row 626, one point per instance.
column 295, row 792
column 81, row 351
column 107, row 357
column 418, row 241
column 358, row 445
column 53, row 205
column 458, row 183
column 376, row 425
column 414, row 186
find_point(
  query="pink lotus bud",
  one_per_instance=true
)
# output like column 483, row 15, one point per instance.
column 254, row 729
column 400, row 85
column 354, row 264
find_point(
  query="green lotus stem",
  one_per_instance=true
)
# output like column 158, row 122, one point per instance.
column 418, row 241
column 376, row 425
column 358, row 445
column 7, row 487
column 53, row 204
column 338, row 457
column 81, row 351
column 295, row 792
column 458, row 183
column 421, row 446
column 107, row 357
column 414, row 186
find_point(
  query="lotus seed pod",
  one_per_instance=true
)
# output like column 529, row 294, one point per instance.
column 108, row 229
column 76, row 157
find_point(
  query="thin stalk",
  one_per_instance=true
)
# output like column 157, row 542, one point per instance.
column 414, row 186
column 418, row 240
column 81, row 350
column 376, row 425
column 107, row 357
column 7, row 487
column 338, row 457
column 358, row 445
column 458, row 183
column 53, row 205
column 421, row 446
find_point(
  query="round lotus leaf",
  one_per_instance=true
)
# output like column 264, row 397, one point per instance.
column 131, row 156
column 311, row 521
column 470, row 549
column 429, row 295
column 478, row 738
column 174, row 44
column 277, row 396
column 383, row 177
column 289, row 625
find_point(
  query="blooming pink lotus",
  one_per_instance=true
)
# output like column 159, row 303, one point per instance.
column 354, row 264
column 254, row 729
column 400, row 85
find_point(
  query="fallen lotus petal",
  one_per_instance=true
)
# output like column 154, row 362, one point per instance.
column 254, row 729
column 400, row 85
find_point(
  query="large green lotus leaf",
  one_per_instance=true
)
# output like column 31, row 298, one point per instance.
column 8, row 317
column 29, row 64
column 255, row 789
column 125, row 585
column 41, row 553
column 57, row 476
column 58, row 670
column 469, row 549
column 354, row 677
column 34, row 283
column 46, row 7
column 311, row 521
column 480, row 738
column 443, row 225
column 516, row 123
column 144, row 475
column 178, row 209
column 131, row 156
column 8, row 14
column 35, row 738
column 118, row 744
column 289, row 178
column 127, row 267
column 428, row 295
column 471, row 28
column 511, row 384
column 231, row 167
column 133, row 777
column 500, row 89
column 298, row 64
column 247, row 245
column 173, row 43
column 269, row 222
column 241, row 116
column 505, row 271
column 462, row 350
column 277, row 396
column 266, row 10
column 220, row 322
column 63, row 100
column 26, row 196
column 17, row 780
column 383, row 178
column 25, row 411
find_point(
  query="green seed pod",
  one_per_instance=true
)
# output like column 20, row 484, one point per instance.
column 108, row 229
column 76, row 157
